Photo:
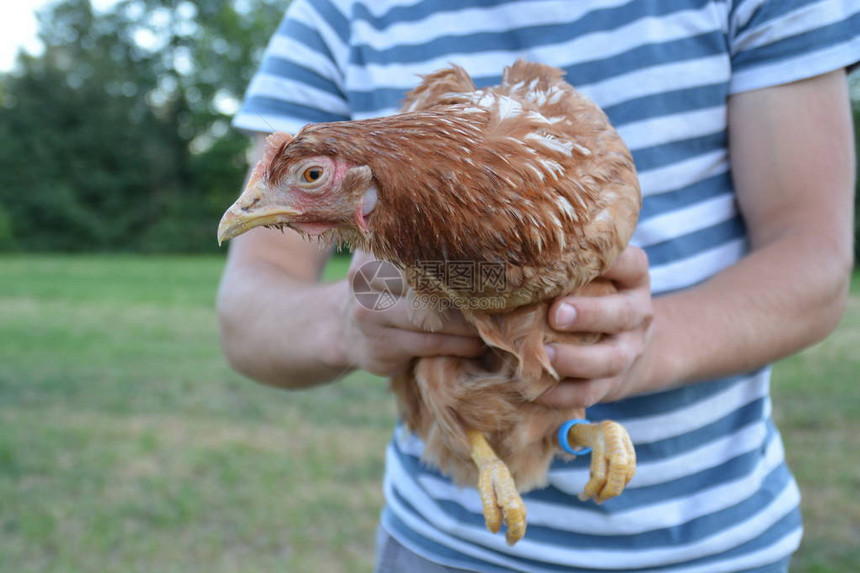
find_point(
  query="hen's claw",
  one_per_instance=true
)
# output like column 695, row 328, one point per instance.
column 499, row 495
column 613, row 459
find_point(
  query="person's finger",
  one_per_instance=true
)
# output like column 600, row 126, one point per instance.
column 396, row 313
column 608, row 314
column 574, row 393
column 630, row 269
column 402, row 316
column 434, row 344
column 605, row 359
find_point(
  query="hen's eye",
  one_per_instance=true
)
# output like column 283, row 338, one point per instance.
column 311, row 174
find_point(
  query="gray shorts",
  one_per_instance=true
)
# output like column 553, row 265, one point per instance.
column 392, row 557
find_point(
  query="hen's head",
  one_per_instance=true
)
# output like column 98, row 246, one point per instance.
column 303, row 186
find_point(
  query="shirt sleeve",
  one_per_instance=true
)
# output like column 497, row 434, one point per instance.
column 301, row 77
column 774, row 42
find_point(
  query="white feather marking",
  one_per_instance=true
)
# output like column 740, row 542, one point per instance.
column 603, row 216
column 486, row 100
column 566, row 207
column 463, row 132
column 554, row 167
column 555, row 95
column 583, row 150
column 521, row 144
column 552, row 95
column 551, row 142
column 537, row 238
column 534, row 168
column 508, row 107
column 537, row 117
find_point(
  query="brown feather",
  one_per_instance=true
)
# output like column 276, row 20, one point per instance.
column 441, row 397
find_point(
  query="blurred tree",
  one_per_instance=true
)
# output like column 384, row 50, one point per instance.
column 117, row 136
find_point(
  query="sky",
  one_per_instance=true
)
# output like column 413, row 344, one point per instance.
column 18, row 28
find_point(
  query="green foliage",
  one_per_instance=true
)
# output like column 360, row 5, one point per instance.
column 117, row 137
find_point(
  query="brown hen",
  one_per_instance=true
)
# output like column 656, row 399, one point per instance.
column 527, row 178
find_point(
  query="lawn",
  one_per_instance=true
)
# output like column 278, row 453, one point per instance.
column 127, row 444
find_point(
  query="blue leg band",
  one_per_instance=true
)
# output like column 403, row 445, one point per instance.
column 563, row 431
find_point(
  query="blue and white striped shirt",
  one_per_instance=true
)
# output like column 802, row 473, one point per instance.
column 712, row 492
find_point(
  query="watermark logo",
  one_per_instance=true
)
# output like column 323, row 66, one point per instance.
column 460, row 276
column 441, row 303
column 377, row 285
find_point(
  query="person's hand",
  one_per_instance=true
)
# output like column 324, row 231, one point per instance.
column 607, row 370
column 384, row 340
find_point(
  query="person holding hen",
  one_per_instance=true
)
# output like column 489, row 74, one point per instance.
column 737, row 119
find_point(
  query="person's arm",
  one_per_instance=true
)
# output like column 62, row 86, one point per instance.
column 281, row 326
column 793, row 166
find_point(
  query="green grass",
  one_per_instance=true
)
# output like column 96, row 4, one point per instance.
column 817, row 407
column 127, row 444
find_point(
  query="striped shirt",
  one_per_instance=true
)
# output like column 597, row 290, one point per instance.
column 712, row 491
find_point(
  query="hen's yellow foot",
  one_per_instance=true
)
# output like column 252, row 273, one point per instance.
column 613, row 459
column 499, row 495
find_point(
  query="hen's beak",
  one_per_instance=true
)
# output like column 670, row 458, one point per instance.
column 252, row 209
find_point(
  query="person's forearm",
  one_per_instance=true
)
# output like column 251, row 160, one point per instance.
column 778, row 300
column 279, row 330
